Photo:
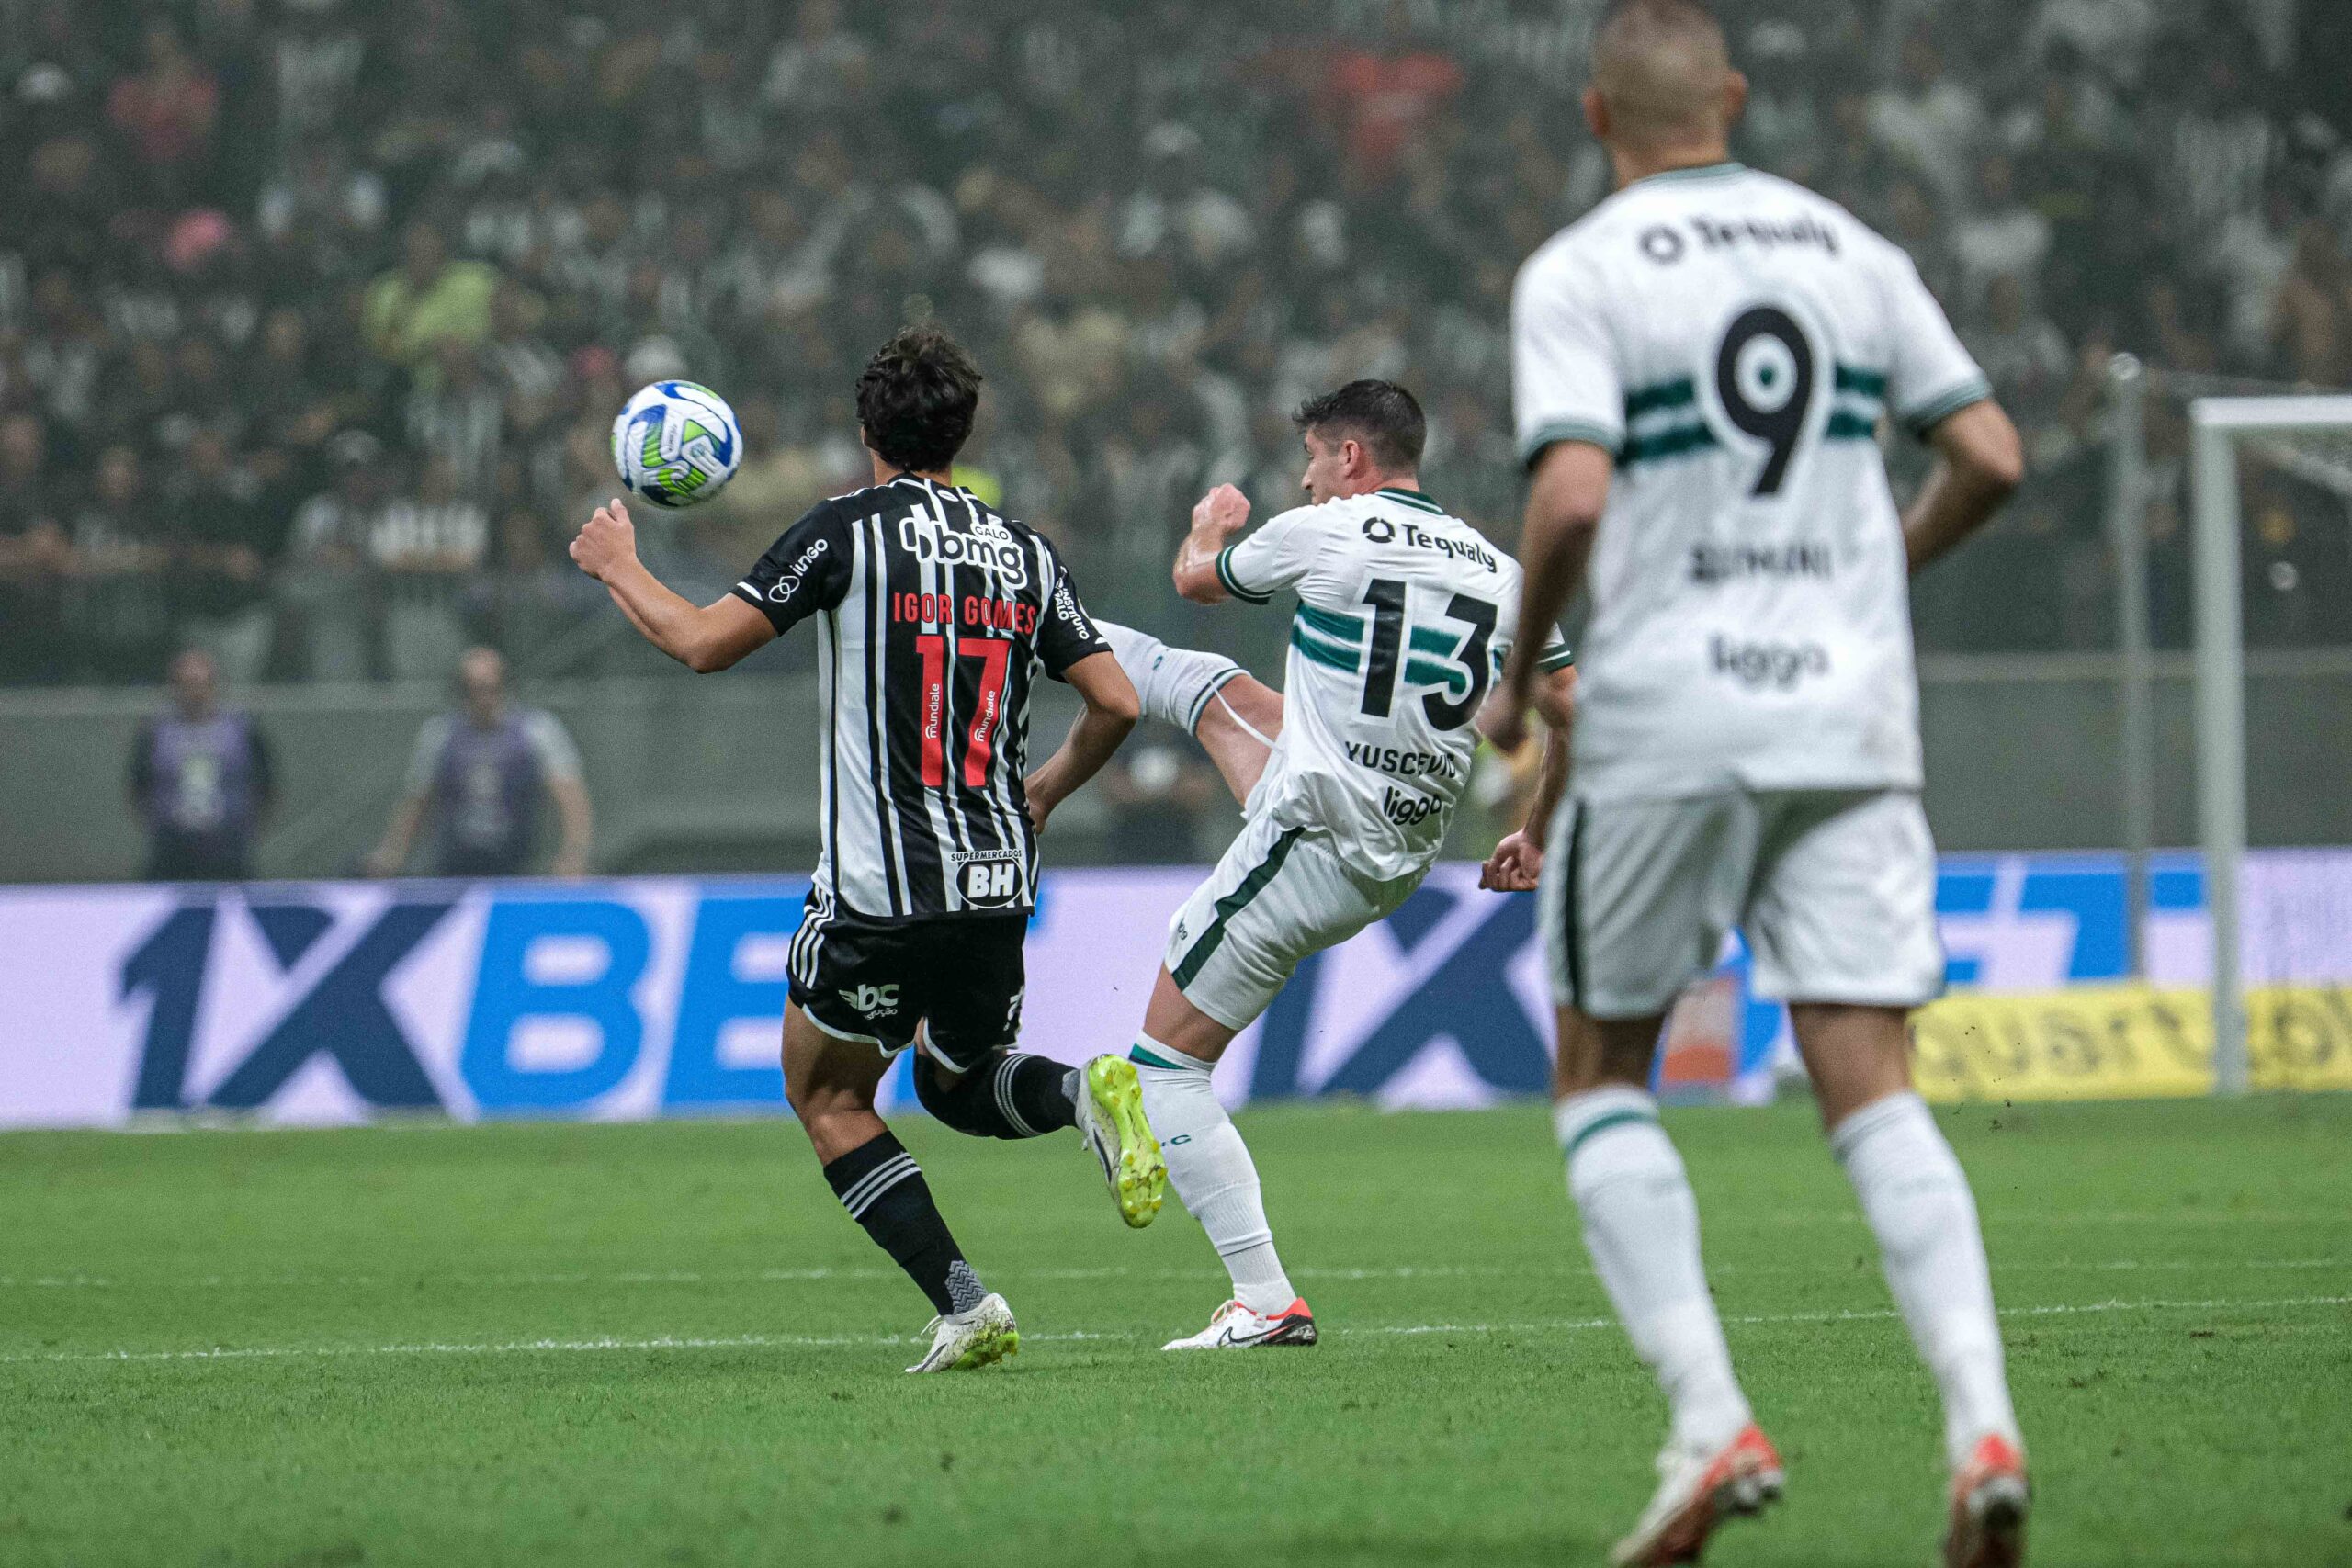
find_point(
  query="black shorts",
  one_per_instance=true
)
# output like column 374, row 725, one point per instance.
column 958, row 977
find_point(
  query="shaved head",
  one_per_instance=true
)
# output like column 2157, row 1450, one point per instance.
column 1662, row 77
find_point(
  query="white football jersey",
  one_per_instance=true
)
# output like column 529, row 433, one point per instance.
column 1735, row 340
column 1405, row 617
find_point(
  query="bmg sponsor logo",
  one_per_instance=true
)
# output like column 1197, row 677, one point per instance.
column 1761, row 665
column 991, row 548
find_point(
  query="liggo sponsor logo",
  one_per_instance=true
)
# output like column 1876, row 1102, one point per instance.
column 1756, row 665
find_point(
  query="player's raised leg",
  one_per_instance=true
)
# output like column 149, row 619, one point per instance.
column 1640, row 1226
column 1235, row 716
column 1918, row 1201
column 831, row 1081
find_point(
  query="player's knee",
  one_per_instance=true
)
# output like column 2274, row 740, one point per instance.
column 955, row 1098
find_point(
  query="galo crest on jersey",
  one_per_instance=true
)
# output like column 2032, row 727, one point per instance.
column 987, row 546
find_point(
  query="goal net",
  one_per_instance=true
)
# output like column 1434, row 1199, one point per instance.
column 2231, row 518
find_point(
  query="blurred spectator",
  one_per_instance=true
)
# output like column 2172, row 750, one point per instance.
column 33, row 553
column 223, row 545
column 2311, row 320
column 425, row 549
column 167, row 111
column 427, row 300
column 116, row 607
column 480, row 776
column 2000, row 237
column 1927, row 120
column 330, row 630
column 468, row 231
column 201, row 781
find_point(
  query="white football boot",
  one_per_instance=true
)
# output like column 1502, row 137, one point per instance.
column 1696, row 1491
column 1110, row 1119
column 1235, row 1327
column 981, row 1332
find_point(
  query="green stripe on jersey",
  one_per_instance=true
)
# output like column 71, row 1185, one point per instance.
column 1844, row 426
column 1231, row 905
column 1556, row 431
column 1411, row 498
column 1675, row 443
column 1428, row 672
column 1934, row 412
column 1331, row 624
column 1430, row 640
column 1869, row 383
column 1232, row 583
column 1321, row 652
column 1674, row 394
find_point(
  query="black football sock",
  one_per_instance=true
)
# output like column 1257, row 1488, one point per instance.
column 1015, row 1096
column 883, row 1189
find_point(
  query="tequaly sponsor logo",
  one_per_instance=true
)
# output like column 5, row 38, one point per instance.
column 987, row 547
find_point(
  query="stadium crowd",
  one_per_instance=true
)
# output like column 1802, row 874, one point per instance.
column 314, row 313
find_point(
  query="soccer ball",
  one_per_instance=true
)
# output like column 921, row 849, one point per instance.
column 677, row 443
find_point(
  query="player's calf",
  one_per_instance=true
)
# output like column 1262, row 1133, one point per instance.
column 1012, row 1095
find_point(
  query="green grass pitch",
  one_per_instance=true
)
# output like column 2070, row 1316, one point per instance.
column 666, row 1343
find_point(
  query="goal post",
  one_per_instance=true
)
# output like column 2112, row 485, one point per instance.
column 2218, row 427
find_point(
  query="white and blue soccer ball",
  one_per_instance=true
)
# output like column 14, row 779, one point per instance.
column 677, row 443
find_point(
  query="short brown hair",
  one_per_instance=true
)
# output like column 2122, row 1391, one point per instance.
column 1382, row 415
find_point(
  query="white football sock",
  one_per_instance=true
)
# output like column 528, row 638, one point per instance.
column 1641, row 1226
column 1210, row 1167
column 1175, row 683
column 1917, row 1201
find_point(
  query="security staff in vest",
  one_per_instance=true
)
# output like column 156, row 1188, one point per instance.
column 479, row 777
column 200, row 779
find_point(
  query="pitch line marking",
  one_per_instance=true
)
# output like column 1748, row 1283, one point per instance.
column 800, row 1341
column 798, row 1276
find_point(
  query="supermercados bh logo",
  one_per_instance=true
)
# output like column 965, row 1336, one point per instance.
column 986, row 544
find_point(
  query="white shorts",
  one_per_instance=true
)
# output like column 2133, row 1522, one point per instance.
column 1279, row 895
column 1835, row 890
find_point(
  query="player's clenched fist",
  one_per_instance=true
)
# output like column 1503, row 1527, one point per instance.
column 606, row 540
column 1224, row 510
column 1516, row 865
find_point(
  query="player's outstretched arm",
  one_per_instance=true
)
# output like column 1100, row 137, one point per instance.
column 1517, row 862
column 1564, row 507
column 1217, row 517
column 702, row 639
column 1979, row 462
column 1112, row 709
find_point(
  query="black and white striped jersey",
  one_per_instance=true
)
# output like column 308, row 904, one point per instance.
column 935, row 616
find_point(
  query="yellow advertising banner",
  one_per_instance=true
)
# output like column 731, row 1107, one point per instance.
column 2124, row 1042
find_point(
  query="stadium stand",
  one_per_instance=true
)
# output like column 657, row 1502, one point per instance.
column 314, row 314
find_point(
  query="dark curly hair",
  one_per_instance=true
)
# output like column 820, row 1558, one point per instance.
column 916, row 399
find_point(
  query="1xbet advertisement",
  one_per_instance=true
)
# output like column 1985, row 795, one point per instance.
column 349, row 1001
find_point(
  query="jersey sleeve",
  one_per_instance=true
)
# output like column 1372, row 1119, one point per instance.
column 559, row 758
column 806, row 570
column 425, row 759
column 1929, row 376
column 1066, row 633
column 1555, row 653
column 1274, row 558
column 1565, row 385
